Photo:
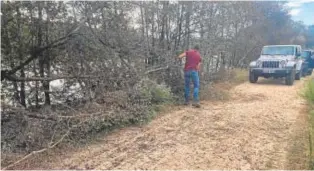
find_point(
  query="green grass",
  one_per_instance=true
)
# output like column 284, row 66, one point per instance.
column 308, row 95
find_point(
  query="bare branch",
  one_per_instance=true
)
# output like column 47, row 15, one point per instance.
column 39, row 151
column 54, row 144
column 18, row 79
column 34, row 53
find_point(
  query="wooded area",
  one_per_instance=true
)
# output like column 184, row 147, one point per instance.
column 65, row 59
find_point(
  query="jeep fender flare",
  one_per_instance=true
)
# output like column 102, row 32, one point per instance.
column 291, row 65
column 299, row 65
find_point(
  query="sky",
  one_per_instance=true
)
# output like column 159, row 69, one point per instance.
column 302, row 10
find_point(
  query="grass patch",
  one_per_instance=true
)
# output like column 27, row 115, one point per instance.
column 311, row 139
column 219, row 90
column 240, row 75
column 308, row 95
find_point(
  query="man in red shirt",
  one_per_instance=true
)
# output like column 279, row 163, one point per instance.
column 191, row 72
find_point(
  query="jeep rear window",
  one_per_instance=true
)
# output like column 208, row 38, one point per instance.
column 278, row 50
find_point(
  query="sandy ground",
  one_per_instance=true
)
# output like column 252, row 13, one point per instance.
column 253, row 130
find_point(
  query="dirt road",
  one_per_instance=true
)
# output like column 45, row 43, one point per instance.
column 253, row 130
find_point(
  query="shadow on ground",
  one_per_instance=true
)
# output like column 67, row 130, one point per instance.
column 272, row 81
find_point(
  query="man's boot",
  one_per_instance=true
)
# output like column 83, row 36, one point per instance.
column 196, row 104
column 186, row 103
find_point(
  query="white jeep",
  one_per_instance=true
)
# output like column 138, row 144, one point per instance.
column 278, row 61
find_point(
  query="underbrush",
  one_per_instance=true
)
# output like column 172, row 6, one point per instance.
column 309, row 97
column 239, row 76
column 27, row 130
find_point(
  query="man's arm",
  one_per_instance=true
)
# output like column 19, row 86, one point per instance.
column 198, row 67
column 182, row 55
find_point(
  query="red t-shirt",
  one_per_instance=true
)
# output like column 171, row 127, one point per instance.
column 192, row 59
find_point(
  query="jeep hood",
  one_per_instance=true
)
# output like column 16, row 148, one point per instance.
column 277, row 57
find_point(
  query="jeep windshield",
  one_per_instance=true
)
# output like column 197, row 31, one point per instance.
column 278, row 50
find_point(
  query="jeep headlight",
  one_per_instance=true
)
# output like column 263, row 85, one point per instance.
column 258, row 63
column 253, row 64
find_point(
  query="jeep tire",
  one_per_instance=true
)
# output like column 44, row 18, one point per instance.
column 298, row 75
column 309, row 72
column 290, row 77
column 252, row 77
column 304, row 73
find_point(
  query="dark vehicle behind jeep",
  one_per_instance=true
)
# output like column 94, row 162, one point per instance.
column 308, row 56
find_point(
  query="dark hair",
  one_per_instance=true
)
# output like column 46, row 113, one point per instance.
column 197, row 47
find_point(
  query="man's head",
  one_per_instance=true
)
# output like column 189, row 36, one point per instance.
column 196, row 47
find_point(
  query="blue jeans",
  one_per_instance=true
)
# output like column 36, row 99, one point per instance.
column 188, row 75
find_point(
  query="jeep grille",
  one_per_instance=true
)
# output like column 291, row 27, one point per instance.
column 270, row 64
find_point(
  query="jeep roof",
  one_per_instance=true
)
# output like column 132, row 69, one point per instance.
column 281, row 45
column 308, row 50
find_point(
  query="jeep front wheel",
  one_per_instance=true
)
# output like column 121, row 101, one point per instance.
column 310, row 71
column 290, row 78
column 252, row 77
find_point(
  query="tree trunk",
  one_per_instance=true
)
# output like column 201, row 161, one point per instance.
column 20, row 54
column 223, row 64
column 217, row 63
column 34, row 66
column 9, row 52
column 153, row 28
column 47, row 62
column 39, row 44
column 36, row 84
column 179, row 26
column 146, row 60
column 163, row 22
column 187, row 24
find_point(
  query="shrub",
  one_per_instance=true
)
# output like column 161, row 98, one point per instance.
column 161, row 94
column 308, row 95
column 156, row 93
column 110, row 110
